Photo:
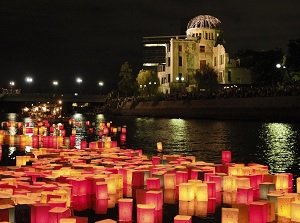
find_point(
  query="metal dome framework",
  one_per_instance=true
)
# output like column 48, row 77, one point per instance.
column 204, row 21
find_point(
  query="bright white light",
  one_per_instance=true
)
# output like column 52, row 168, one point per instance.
column 78, row 80
column 29, row 79
column 278, row 65
column 101, row 83
column 55, row 83
column 11, row 83
column 177, row 78
column 182, row 78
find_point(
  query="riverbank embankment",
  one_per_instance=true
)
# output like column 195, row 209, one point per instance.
column 279, row 109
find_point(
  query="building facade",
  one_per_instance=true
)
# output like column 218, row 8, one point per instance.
column 202, row 46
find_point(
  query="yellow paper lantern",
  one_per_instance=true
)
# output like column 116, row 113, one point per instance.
column 230, row 215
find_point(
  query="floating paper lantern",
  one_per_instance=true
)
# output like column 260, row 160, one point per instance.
column 230, row 215
column 295, row 214
column 229, row 197
column 101, row 190
column 265, row 188
column 123, row 137
column 55, row 214
column 156, row 198
column 101, row 206
column 181, row 177
column 211, row 189
column 125, row 209
column 284, row 205
column 153, row 183
column 159, row 147
column 182, row 219
column 281, row 181
column 155, row 160
column 186, row 207
column 229, row 183
column 169, row 196
column 218, row 182
column 201, row 208
column 226, row 156
column 186, row 192
column 39, row 213
column 244, row 195
column 145, row 213
column 202, row 192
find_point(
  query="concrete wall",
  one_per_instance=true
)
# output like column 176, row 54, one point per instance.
column 280, row 109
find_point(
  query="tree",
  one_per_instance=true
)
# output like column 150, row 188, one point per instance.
column 126, row 84
column 293, row 57
column 148, row 82
column 207, row 78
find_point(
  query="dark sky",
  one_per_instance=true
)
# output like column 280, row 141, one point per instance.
column 63, row 39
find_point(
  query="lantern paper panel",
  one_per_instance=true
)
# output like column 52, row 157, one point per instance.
column 182, row 219
column 145, row 213
column 156, row 198
column 186, row 192
column 295, row 213
column 202, row 192
column 125, row 207
column 230, row 215
column 229, row 197
column 39, row 213
column 201, row 208
column 55, row 214
column 244, row 195
column 284, row 206
column 7, row 213
column 169, row 181
column 229, row 183
column 265, row 188
column 258, row 212
column 169, row 196
column 226, row 157
column 186, row 208
column 243, row 212
column 153, row 183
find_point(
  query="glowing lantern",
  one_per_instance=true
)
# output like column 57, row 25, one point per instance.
column 284, row 206
column 101, row 206
column 281, row 181
column 218, row 182
column 295, row 214
column 230, row 215
column 155, row 160
column 265, row 188
column 101, row 190
column 79, row 186
column 123, row 129
column 155, row 198
column 137, row 178
column 186, row 207
column 202, row 192
column 159, row 147
column 111, row 185
column 145, row 213
column 153, row 183
column 273, row 197
column 182, row 219
column 226, row 156
column 83, row 144
column 7, row 213
column 229, row 197
column 229, row 183
column 181, row 177
column 211, row 189
column 39, row 213
column 55, row 214
column 35, row 141
column 244, row 195
column 125, row 209
column 169, row 196
column 123, row 137
column 186, row 192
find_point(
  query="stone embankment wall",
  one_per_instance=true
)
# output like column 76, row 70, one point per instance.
column 280, row 109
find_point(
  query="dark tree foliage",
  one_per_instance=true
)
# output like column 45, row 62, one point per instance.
column 127, row 83
column 293, row 57
column 262, row 65
column 207, row 79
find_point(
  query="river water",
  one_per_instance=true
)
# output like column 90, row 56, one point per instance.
column 276, row 145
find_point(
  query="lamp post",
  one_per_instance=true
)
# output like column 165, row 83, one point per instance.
column 29, row 80
column 55, row 84
column 100, row 84
column 79, row 81
column 11, row 84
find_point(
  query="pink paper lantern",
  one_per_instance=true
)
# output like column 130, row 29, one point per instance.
column 182, row 219
column 226, row 156
column 258, row 212
column 156, row 198
column 125, row 209
column 244, row 195
column 181, row 177
column 39, row 213
column 145, row 213
column 153, row 183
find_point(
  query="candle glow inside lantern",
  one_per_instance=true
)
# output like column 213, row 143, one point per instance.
column 230, row 215
column 39, row 213
column 181, row 177
column 186, row 192
column 229, row 183
column 169, row 181
column 145, row 213
column 186, row 207
column 284, row 206
column 295, row 214
column 202, row 192
column 55, row 214
column 125, row 209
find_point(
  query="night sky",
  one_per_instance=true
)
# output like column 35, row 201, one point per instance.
column 91, row 39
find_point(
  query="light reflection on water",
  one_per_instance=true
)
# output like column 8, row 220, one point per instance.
column 280, row 146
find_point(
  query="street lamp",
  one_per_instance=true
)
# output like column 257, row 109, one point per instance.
column 79, row 81
column 29, row 80
column 55, row 84
column 11, row 84
column 101, row 84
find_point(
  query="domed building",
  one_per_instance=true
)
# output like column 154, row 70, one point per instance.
column 202, row 46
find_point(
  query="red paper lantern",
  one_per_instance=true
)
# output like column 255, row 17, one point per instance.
column 39, row 213
column 226, row 156
column 125, row 209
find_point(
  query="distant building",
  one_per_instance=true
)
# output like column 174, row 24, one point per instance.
column 202, row 45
